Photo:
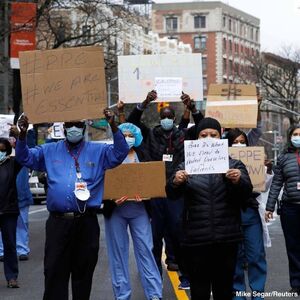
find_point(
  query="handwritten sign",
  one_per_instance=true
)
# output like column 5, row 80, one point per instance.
column 168, row 87
column 232, row 105
column 206, row 156
column 253, row 158
column 57, row 131
column 148, row 180
column 63, row 84
column 137, row 75
column 5, row 120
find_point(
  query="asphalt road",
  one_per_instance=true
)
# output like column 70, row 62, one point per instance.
column 31, row 272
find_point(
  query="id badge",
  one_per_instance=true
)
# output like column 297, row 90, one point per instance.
column 81, row 191
column 298, row 185
column 168, row 157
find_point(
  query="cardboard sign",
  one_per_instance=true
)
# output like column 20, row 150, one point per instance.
column 63, row 84
column 148, row 180
column 137, row 75
column 57, row 131
column 232, row 105
column 253, row 158
column 22, row 36
column 5, row 120
column 206, row 156
column 168, row 87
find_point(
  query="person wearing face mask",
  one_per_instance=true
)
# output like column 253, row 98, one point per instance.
column 252, row 248
column 287, row 175
column 211, row 221
column 9, row 211
column 124, row 213
column 75, row 174
column 166, row 142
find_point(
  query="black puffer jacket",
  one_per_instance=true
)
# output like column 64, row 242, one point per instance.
column 8, row 187
column 286, row 174
column 212, row 206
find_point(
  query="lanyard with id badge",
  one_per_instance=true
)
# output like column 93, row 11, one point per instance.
column 81, row 190
column 168, row 157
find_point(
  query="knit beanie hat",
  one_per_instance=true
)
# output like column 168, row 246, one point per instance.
column 208, row 123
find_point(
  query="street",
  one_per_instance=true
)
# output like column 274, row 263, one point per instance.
column 31, row 272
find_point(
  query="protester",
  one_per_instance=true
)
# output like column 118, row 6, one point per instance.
column 211, row 221
column 251, row 249
column 133, row 214
column 9, row 211
column 286, row 175
column 72, row 229
column 166, row 142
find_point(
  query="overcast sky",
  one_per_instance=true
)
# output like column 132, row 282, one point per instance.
column 279, row 20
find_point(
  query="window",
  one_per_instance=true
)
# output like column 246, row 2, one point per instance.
column 171, row 23
column 224, row 21
column 224, row 66
column 230, row 25
column 251, row 33
column 200, row 42
column 224, row 45
column 204, row 64
column 256, row 35
column 204, row 83
column 200, row 21
column 230, row 45
column 236, row 48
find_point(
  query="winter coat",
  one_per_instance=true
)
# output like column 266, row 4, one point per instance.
column 286, row 174
column 212, row 206
column 9, row 170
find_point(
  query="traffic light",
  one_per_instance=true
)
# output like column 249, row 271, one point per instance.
column 161, row 105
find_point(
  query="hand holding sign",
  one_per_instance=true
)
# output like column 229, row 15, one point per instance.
column 180, row 177
column 23, row 125
column 234, row 175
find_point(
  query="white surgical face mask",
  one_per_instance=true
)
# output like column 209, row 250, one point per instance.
column 296, row 141
column 239, row 145
column 130, row 141
column 74, row 134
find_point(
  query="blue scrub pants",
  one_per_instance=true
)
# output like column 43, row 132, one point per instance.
column 133, row 215
column 22, row 233
column 290, row 222
column 253, row 250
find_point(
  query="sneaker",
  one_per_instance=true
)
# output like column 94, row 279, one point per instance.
column 1, row 258
column 172, row 267
column 184, row 285
column 23, row 257
column 12, row 283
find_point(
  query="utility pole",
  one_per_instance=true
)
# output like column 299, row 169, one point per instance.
column 6, row 55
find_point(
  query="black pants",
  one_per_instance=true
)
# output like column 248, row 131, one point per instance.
column 290, row 222
column 8, row 226
column 211, row 268
column 71, row 250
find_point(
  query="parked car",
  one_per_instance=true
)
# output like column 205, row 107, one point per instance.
column 37, row 188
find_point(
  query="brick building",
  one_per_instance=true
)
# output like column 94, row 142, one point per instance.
column 223, row 34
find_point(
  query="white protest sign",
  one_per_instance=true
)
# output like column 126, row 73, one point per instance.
column 206, row 156
column 57, row 131
column 137, row 74
column 168, row 87
column 5, row 120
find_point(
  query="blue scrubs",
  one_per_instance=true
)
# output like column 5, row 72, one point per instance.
column 133, row 215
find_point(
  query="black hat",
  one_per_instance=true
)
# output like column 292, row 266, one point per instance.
column 233, row 133
column 208, row 123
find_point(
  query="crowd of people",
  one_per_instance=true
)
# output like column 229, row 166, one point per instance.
column 213, row 226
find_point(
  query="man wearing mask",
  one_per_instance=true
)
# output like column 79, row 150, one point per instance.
column 165, row 142
column 75, row 170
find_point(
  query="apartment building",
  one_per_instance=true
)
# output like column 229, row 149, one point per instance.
column 226, row 37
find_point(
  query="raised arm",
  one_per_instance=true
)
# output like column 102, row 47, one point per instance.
column 32, row 158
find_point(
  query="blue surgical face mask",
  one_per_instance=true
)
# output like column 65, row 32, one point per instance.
column 74, row 134
column 2, row 155
column 167, row 124
column 296, row 141
column 130, row 141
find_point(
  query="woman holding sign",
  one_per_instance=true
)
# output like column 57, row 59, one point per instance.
column 211, row 221
column 120, row 215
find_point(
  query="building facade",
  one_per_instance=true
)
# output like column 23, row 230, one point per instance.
column 224, row 35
